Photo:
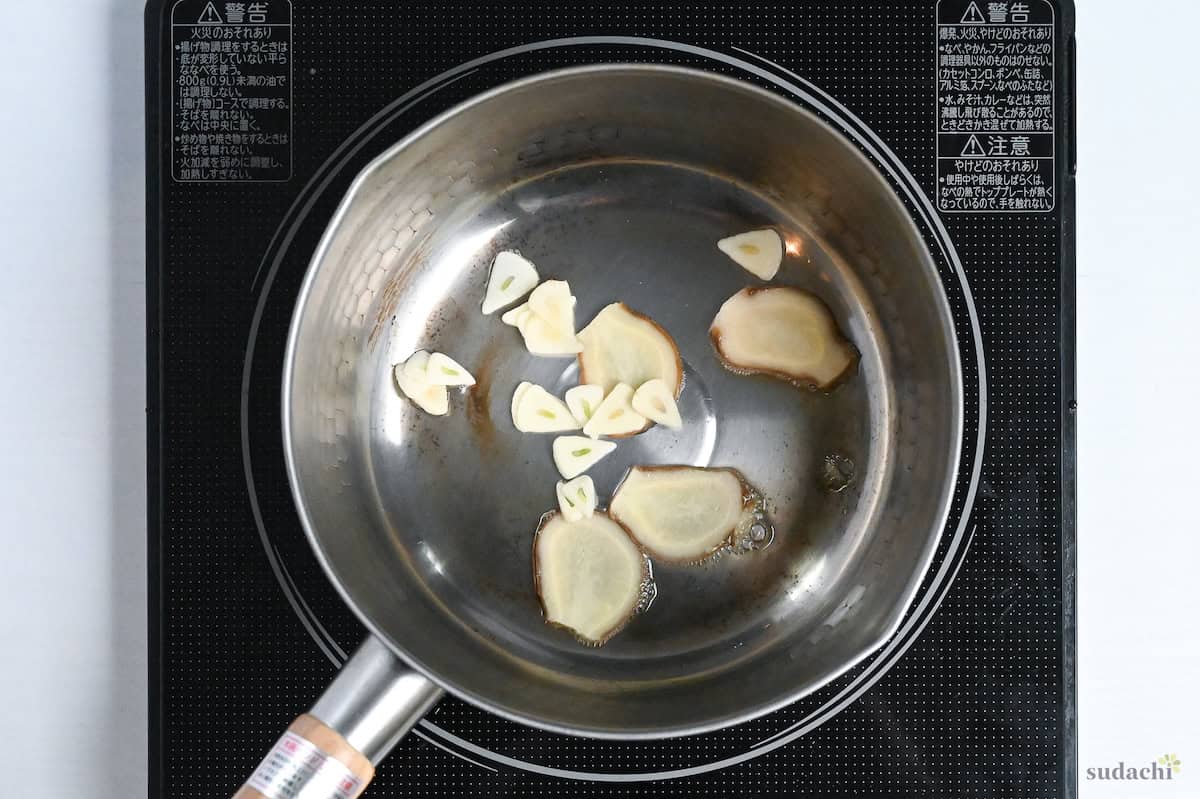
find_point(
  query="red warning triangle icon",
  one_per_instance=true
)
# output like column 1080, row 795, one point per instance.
column 209, row 16
column 973, row 16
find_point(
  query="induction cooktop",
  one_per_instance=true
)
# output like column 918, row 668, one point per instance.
column 260, row 114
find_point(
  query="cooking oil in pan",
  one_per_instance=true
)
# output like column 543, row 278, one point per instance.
column 837, row 472
column 756, row 532
column 648, row 591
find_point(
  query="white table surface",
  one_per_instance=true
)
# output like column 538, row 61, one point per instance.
column 72, row 468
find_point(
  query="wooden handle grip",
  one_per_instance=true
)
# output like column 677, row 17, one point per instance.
column 309, row 755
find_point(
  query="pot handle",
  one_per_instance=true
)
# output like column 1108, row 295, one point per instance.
column 330, row 752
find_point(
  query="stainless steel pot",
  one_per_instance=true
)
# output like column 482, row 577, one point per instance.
column 619, row 179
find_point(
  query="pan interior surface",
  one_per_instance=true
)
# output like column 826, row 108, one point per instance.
column 621, row 180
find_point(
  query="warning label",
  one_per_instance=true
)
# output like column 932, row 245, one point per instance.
column 995, row 105
column 231, row 90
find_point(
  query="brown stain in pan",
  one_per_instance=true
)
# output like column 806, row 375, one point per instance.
column 391, row 292
column 479, row 402
column 389, row 296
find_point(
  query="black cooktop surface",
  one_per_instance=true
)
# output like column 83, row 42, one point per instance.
column 259, row 116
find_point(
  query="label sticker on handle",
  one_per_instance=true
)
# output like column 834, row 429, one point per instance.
column 296, row 769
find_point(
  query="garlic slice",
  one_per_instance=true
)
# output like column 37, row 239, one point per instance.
column 410, row 379
column 588, row 575
column 615, row 416
column 576, row 498
column 552, row 301
column 784, row 332
column 654, row 401
column 518, row 392
column 682, row 514
column 539, row 411
column 759, row 252
column 417, row 366
column 511, row 278
column 574, row 455
column 514, row 315
column 583, row 401
column 543, row 339
column 442, row 370
column 623, row 346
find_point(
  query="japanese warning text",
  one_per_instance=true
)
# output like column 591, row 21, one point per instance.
column 231, row 90
column 995, row 105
